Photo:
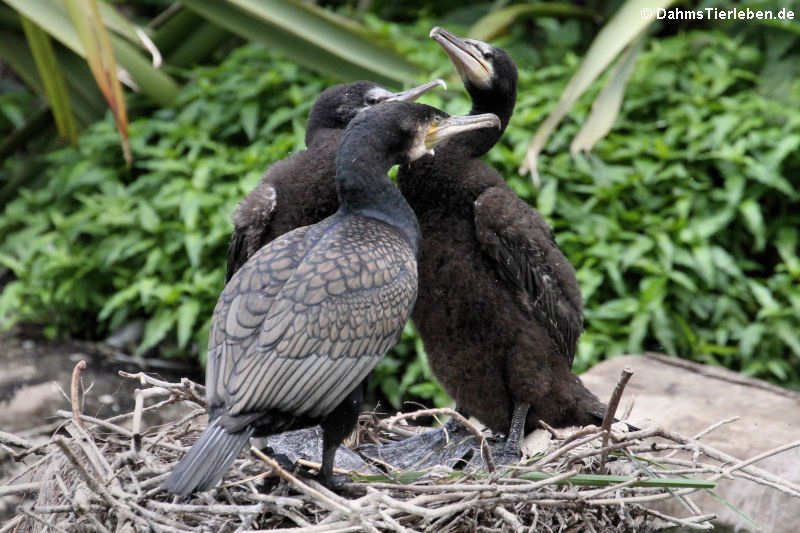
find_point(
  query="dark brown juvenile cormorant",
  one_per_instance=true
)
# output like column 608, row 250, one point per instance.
column 300, row 190
column 309, row 315
column 499, row 308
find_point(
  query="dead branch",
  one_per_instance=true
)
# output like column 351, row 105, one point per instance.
column 106, row 477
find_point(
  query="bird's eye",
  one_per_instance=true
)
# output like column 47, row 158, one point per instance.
column 487, row 54
column 371, row 100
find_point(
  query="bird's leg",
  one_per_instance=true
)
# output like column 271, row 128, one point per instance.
column 335, row 428
column 328, row 454
column 511, row 450
column 517, row 428
column 332, row 437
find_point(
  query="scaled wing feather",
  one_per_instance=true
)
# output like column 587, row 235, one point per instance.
column 300, row 344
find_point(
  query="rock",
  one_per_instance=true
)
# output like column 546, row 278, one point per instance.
column 686, row 398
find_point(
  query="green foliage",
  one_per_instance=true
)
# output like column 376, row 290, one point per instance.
column 99, row 245
column 683, row 224
column 16, row 103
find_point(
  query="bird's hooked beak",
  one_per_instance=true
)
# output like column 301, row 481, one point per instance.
column 415, row 92
column 446, row 128
column 465, row 56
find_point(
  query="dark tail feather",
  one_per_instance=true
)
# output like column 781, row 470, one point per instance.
column 207, row 461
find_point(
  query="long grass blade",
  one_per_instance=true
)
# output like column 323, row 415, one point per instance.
column 631, row 20
column 593, row 480
column 55, row 88
column 606, row 106
column 85, row 98
column 53, row 18
column 313, row 25
column 85, row 15
column 601, row 480
column 495, row 23
column 301, row 33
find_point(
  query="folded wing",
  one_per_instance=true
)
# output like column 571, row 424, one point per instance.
column 308, row 317
column 527, row 256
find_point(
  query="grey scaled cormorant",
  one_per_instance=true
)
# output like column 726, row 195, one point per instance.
column 300, row 190
column 499, row 308
column 309, row 315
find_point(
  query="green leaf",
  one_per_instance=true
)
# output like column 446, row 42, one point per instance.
column 200, row 178
column 788, row 334
column 190, row 206
column 54, row 86
column 725, row 262
column 148, row 218
column 704, row 264
column 119, row 298
column 664, row 331
column 546, row 199
column 53, row 18
column 706, row 227
column 187, row 316
column 666, row 249
column 13, row 264
column 194, row 246
column 684, row 280
column 653, row 290
column 496, row 22
column 786, row 243
column 391, row 389
column 11, row 300
column 626, row 25
column 640, row 247
column 311, row 36
column 754, row 221
column 249, row 118
column 605, row 108
column 156, row 329
column 606, row 480
column 786, row 145
column 750, row 337
column 425, row 390
column 778, row 368
column 638, row 331
column 764, row 297
column 615, row 309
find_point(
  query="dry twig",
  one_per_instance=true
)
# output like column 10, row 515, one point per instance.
column 105, row 476
column 611, row 410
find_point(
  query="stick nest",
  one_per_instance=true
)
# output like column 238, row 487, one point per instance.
column 104, row 475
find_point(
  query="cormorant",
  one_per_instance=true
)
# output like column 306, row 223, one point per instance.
column 499, row 308
column 309, row 315
column 300, row 190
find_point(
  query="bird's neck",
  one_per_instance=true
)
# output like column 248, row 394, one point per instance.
column 481, row 140
column 365, row 189
column 324, row 138
column 454, row 177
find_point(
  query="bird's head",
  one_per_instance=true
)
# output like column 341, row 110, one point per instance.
column 488, row 72
column 338, row 105
column 407, row 131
